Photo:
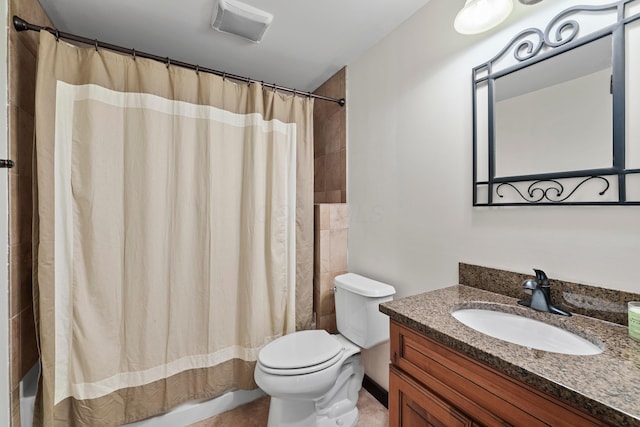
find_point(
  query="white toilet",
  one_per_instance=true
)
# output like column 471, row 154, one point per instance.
column 313, row 377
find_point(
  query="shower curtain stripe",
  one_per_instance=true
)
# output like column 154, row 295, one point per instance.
column 174, row 234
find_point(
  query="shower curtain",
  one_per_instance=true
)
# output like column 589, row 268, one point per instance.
column 173, row 234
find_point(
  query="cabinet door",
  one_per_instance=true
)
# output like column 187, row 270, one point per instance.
column 411, row 405
column 484, row 394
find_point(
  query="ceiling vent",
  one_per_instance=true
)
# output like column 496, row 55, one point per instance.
column 241, row 19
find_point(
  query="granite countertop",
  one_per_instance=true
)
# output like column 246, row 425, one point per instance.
column 606, row 385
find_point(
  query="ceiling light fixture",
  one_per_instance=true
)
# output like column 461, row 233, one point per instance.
column 241, row 19
column 478, row 16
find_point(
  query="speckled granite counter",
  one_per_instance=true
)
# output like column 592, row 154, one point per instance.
column 606, row 385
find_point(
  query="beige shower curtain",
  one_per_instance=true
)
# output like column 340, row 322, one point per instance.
column 173, row 232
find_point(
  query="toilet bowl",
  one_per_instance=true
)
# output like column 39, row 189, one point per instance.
column 314, row 377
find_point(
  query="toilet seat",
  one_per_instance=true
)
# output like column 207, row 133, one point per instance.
column 300, row 353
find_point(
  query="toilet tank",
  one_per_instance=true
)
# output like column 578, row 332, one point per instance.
column 357, row 315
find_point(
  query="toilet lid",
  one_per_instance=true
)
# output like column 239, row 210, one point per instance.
column 300, row 350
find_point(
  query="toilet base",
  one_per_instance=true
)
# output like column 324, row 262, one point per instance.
column 287, row 413
column 349, row 419
column 337, row 408
column 299, row 413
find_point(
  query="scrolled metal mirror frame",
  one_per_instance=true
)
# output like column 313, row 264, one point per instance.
column 548, row 188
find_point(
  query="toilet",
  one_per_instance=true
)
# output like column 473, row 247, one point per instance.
column 314, row 377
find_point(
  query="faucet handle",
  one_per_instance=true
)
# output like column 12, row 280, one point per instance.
column 540, row 291
column 542, row 278
column 530, row 284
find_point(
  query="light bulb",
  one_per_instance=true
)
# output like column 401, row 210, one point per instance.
column 478, row 16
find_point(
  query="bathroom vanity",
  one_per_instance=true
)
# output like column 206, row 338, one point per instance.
column 444, row 373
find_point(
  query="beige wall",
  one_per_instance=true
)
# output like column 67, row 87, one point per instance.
column 330, row 142
column 410, row 174
column 22, row 70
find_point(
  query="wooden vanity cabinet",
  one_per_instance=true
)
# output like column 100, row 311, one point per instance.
column 431, row 384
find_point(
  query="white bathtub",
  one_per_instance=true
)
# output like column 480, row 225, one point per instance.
column 28, row 387
column 182, row 415
column 191, row 412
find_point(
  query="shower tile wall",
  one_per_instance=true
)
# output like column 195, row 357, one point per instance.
column 22, row 54
column 330, row 259
column 330, row 142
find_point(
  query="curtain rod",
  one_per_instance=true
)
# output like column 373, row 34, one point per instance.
column 22, row 25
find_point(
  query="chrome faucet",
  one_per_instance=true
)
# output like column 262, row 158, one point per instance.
column 540, row 289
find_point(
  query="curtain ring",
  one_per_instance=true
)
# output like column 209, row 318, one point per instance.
column 96, row 44
column 133, row 53
column 168, row 61
column 248, row 81
column 197, row 69
column 224, row 76
column 57, row 35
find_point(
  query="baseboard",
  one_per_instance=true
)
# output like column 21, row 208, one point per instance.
column 380, row 394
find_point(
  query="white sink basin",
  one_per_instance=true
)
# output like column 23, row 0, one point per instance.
column 525, row 332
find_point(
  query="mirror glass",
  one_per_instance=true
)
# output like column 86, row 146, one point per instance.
column 556, row 115
column 632, row 98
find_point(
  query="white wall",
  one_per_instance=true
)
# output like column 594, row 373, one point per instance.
column 5, row 403
column 409, row 175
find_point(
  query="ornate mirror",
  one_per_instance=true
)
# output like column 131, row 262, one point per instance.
column 557, row 112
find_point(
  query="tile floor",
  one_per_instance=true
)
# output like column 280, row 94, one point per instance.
column 254, row 414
